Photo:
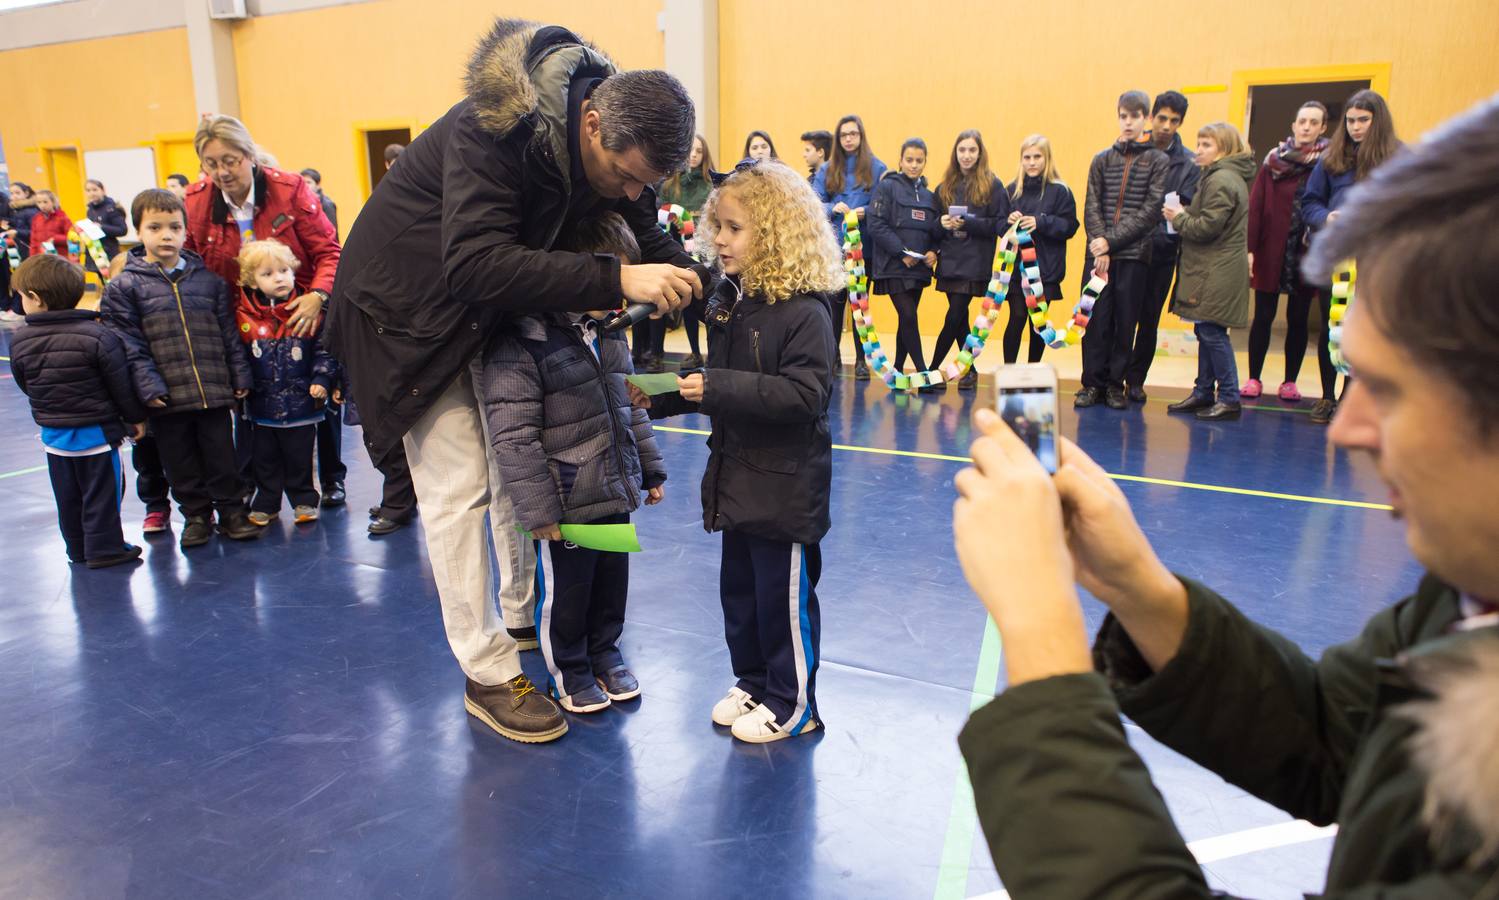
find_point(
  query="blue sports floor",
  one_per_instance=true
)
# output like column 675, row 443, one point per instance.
column 283, row 719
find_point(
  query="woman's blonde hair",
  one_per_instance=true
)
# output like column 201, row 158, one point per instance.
column 792, row 248
column 1227, row 137
column 255, row 253
column 1049, row 173
column 227, row 130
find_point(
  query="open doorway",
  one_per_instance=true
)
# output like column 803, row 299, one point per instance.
column 64, row 173
column 374, row 144
column 1273, row 107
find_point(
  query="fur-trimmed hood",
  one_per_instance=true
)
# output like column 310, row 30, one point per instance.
column 1457, row 741
column 522, row 68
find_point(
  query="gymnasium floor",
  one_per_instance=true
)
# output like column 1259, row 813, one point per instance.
column 283, row 718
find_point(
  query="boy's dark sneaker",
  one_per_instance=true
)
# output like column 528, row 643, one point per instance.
column 1115, row 399
column 619, row 683
column 131, row 553
column 589, row 700
column 516, row 710
column 525, row 638
column 196, row 532
column 1086, row 397
column 237, row 527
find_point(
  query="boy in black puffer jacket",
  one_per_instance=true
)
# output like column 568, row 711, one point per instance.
column 293, row 379
column 73, row 369
column 571, row 449
column 188, row 364
column 1126, row 185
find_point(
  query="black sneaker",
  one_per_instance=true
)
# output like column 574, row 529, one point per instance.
column 131, row 553
column 525, row 638
column 692, row 361
column 334, row 495
column 1086, row 397
column 516, row 710
column 196, row 532
column 1220, row 412
column 1191, row 404
column 1323, row 411
column 237, row 527
column 1136, row 394
column 861, row 368
column 969, row 381
column 1114, row 399
column 619, row 683
column 589, row 700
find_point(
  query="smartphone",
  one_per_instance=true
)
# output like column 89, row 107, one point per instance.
column 957, row 212
column 1026, row 399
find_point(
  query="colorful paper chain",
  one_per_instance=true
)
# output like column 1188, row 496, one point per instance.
column 674, row 212
column 1342, row 297
column 1016, row 245
column 11, row 253
column 91, row 236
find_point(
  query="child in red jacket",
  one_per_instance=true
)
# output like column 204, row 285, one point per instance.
column 51, row 224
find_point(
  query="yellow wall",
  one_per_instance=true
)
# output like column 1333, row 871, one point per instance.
column 306, row 79
column 142, row 85
column 1057, row 68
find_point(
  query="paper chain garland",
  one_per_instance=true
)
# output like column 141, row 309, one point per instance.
column 1015, row 245
column 88, row 233
column 11, row 253
column 1342, row 297
column 674, row 213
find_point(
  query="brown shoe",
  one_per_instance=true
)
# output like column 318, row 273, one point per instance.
column 516, row 710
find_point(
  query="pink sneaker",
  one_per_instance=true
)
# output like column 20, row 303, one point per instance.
column 156, row 522
column 1251, row 389
column 1289, row 392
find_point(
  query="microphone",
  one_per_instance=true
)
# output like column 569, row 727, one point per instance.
column 636, row 313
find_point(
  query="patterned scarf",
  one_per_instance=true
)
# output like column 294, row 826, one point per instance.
column 1289, row 160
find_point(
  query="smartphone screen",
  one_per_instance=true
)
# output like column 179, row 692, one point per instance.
column 1031, row 412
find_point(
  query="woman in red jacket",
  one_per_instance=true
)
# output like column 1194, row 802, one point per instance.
column 51, row 224
column 243, row 200
column 1275, row 248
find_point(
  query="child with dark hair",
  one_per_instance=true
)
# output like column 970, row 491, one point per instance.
column 1126, row 185
column 817, row 148
column 189, row 366
column 572, row 450
column 74, row 372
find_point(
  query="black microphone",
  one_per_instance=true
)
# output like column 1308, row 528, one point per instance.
column 636, row 313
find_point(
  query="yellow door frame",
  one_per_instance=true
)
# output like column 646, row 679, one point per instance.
column 45, row 150
column 158, row 145
column 361, row 148
column 1238, row 98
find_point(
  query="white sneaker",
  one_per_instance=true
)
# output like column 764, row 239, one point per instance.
column 734, row 704
column 263, row 519
column 758, row 726
column 304, row 514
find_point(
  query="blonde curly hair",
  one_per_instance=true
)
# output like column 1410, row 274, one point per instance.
column 792, row 247
column 253, row 254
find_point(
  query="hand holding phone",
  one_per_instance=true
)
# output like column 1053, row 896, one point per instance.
column 1026, row 400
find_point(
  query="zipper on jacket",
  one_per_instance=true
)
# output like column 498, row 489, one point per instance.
column 1119, row 206
column 192, row 357
column 755, row 342
column 597, row 357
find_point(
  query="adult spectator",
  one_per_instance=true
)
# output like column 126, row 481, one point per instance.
column 177, row 183
column 244, row 199
column 106, row 213
column 314, row 180
column 459, row 235
column 1395, row 735
column 392, row 153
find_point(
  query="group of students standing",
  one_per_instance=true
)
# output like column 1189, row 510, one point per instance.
column 1196, row 227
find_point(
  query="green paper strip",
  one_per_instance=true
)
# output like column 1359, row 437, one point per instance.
column 661, row 383
column 608, row 538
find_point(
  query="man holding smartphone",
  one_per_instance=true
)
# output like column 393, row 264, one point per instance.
column 1394, row 735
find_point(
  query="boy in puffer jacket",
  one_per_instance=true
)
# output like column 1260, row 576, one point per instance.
column 571, row 449
column 293, row 378
column 177, row 323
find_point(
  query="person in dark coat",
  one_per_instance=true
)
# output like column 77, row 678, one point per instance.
column 107, row 214
column 73, row 371
column 965, row 253
column 314, row 181
column 771, row 357
column 189, row 365
column 1126, row 183
column 1391, row 735
column 1275, row 248
column 16, row 226
column 903, row 235
column 459, row 235
column 1044, row 205
column 1166, row 116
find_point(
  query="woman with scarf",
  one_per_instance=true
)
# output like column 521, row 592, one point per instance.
column 1276, row 241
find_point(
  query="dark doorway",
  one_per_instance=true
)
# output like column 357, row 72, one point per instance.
column 375, row 143
column 1272, row 108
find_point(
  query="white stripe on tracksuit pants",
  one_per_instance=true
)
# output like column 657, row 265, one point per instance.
column 580, row 610
column 772, row 623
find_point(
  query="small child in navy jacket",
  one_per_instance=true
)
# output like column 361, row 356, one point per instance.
column 572, row 450
column 766, row 387
column 293, row 377
column 73, row 369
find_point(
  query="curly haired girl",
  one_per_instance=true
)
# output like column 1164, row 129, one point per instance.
column 766, row 388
